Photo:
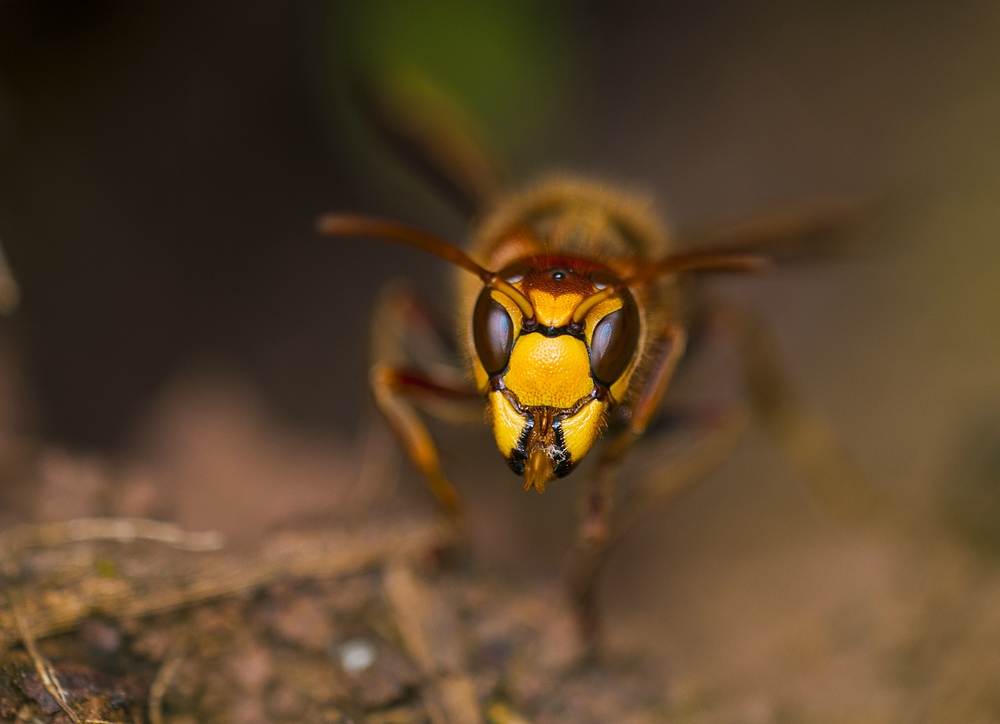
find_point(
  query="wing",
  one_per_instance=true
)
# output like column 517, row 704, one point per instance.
column 813, row 229
column 429, row 131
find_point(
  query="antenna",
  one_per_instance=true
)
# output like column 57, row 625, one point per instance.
column 376, row 228
column 719, row 261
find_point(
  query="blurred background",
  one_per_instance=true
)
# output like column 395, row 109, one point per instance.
column 187, row 347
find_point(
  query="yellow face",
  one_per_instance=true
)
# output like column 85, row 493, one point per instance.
column 551, row 383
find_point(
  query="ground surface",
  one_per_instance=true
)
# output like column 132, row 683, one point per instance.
column 322, row 626
column 742, row 604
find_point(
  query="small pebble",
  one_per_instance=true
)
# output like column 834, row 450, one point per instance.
column 356, row 655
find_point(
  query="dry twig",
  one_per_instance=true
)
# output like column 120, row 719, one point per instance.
column 122, row 530
column 164, row 677
column 429, row 629
column 45, row 671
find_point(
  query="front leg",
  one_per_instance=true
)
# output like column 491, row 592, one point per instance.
column 393, row 389
column 409, row 369
column 594, row 533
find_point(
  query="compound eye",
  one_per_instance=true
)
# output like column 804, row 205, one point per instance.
column 614, row 343
column 492, row 332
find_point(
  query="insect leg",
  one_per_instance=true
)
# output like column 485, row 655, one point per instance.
column 594, row 533
column 714, row 443
column 409, row 369
column 392, row 386
column 801, row 432
column 596, row 523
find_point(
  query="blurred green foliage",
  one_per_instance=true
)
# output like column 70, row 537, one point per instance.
column 508, row 64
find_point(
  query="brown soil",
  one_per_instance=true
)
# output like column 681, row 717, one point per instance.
column 365, row 625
